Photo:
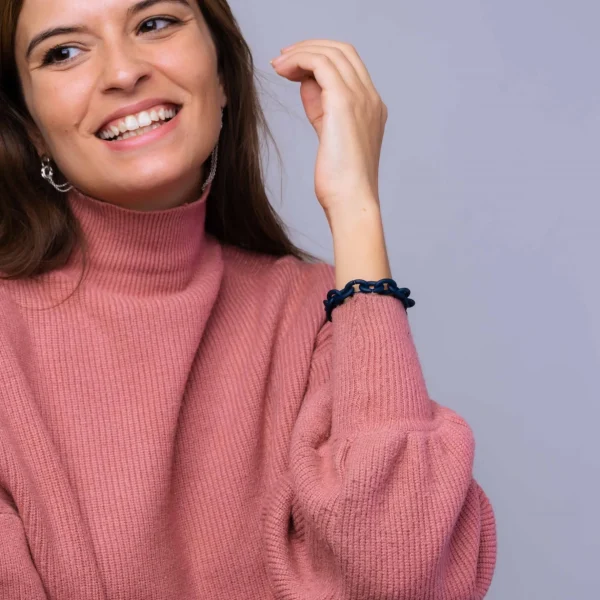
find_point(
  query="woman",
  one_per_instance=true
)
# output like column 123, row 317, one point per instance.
column 180, row 418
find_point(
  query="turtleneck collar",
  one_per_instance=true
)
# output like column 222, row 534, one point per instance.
column 135, row 252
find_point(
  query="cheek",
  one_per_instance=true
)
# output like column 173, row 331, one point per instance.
column 189, row 66
column 59, row 118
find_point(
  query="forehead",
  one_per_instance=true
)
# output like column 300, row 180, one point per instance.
column 46, row 13
column 42, row 14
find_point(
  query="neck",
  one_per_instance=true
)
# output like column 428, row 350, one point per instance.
column 138, row 252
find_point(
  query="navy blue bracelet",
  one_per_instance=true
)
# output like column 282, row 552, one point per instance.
column 336, row 297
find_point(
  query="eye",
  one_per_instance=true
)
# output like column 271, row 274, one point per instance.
column 62, row 55
column 58, row 55
column 155, row 21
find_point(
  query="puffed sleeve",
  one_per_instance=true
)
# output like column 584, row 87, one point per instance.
column 379, row 500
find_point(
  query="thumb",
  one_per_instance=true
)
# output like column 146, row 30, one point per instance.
column 310, row 93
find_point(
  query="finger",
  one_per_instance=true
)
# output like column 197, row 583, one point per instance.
column 341, row 63
column 351, row 54
column 297, row 65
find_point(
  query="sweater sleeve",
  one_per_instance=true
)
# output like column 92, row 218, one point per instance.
column 378, row 500
column 19, row 579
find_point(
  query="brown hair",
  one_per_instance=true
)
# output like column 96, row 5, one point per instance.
column 38, row 231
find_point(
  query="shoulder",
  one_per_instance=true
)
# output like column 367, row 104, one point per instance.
column 14, row 341
column 13, row 328
column 9, row 309
column 287, row 286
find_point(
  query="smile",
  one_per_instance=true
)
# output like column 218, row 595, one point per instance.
column 139, row 124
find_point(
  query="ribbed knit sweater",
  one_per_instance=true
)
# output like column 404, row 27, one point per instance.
column 188, row 425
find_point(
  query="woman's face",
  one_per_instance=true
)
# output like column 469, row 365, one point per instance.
column 123, row 65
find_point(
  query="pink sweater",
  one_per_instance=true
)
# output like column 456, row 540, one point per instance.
column 189, row 426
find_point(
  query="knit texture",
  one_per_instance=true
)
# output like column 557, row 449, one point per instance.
column 188, row 425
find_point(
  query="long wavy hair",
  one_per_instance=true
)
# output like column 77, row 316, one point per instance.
column 38, row 231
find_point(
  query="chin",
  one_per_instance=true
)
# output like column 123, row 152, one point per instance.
column 148, row 184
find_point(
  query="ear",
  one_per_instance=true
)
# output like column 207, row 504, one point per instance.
column 223, row 100
column 35, row 137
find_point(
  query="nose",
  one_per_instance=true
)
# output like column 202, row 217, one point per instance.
column 123, row 67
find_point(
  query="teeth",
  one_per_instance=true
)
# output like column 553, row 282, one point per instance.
column 144, row 119
column 137, row 124
column 142, row 131
column 132, row 123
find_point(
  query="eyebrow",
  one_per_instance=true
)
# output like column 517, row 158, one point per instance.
column 131, row 11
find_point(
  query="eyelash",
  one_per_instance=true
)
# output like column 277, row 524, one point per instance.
column 47, row 59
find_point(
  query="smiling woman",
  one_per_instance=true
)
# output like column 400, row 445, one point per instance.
column 187, row 423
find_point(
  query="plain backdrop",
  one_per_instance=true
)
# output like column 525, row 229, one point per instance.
column 489, row 189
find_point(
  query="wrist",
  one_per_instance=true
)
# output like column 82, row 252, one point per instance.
column 350, row 219
column 359, row 247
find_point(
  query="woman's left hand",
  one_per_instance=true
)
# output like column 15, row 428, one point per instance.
column 349, row 117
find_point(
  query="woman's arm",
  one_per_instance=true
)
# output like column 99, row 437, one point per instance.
column 379, row 499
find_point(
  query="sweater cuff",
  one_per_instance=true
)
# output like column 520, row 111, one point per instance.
column 376, row 375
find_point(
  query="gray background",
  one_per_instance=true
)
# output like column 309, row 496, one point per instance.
column 489, row 192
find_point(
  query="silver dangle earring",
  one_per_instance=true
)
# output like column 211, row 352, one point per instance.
column 214, row 159
column 48, row 174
